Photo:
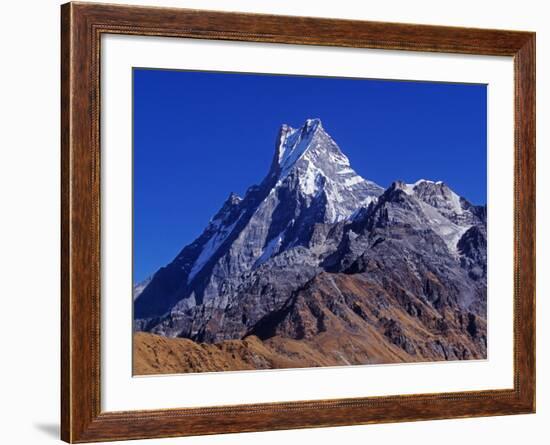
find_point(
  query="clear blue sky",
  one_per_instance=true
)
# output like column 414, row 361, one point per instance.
column 199, row 136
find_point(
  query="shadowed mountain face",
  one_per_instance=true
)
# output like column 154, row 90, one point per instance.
column 318, row 258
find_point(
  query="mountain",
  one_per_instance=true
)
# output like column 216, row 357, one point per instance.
column 310, row 181
column 322, row 266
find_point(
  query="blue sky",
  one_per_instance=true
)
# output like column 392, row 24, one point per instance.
column 199, row 136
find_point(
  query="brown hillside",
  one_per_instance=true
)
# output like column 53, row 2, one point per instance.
column 337, row 320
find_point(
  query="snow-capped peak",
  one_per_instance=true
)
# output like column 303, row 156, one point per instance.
column 310, row 158
column 294, row 142
column 434, row 193
column 437, row 194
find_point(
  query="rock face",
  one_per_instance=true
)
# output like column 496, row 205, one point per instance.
column 317, row 256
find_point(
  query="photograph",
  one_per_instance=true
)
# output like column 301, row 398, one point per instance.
column 285, row 221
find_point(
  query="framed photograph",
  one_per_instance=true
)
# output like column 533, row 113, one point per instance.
column 274, row 222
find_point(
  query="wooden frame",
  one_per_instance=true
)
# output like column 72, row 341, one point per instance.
column 82, row 25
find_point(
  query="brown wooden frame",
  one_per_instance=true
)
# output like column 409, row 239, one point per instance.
column 82, row 25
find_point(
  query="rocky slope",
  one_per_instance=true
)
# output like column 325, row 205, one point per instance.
column 322, row 267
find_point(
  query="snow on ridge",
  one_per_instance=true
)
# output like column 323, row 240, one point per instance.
column 211, row 247
column 455, row 202
column 438, row 208
column 286, row 133
column 218, row 219
column 448, row 231
column 353, row 180
column 313, row 181
column 345, row 171
column 309, row 180
column 362, row 207
column 425, row 181
column 271, row 248
column 140, row 287
column 408, row 188
column 340, row 159
column 449, row 195
column 294, row 143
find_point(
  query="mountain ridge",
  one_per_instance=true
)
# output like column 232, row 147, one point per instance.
column 314, row 216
